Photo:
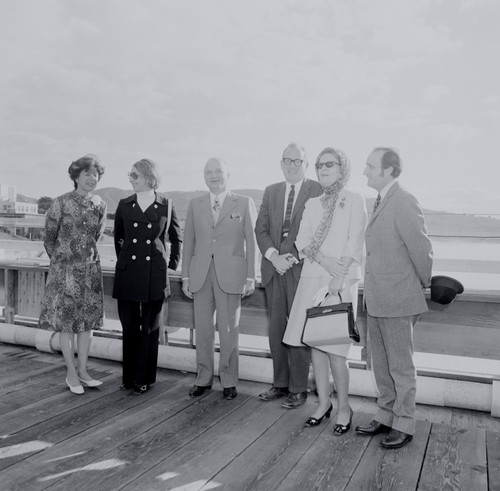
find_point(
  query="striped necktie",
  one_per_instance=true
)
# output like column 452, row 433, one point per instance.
column 216, row 209
column 288, row 213
column 377, row 202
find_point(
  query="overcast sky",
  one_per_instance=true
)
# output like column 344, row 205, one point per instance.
column 180, row 81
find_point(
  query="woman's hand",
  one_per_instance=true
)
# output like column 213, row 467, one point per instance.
column 335, row 285
column 336, row 267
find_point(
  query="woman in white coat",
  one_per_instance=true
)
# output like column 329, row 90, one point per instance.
column 330, row 240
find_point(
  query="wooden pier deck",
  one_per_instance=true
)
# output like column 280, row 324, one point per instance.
column 110, row 440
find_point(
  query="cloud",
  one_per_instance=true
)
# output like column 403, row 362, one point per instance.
column 453, row 132
column 435, row 93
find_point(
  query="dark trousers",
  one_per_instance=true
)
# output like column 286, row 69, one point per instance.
column 290, row 363
column 140, row 323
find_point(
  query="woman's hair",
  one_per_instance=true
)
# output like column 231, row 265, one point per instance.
column 150, row 172
column 87, row 162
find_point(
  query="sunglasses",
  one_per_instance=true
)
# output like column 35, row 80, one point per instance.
column 328, row 165
column 134, row 175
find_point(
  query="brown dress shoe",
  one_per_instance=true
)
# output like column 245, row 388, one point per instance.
column 374, row 428
column 198, row 390
column 273, row 393
column 294, row 400
column 396, row 439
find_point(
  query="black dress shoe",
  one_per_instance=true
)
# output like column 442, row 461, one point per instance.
column 140, row 389
column 198, row 390
column 339, row 429
column 126, row 386
column 229, row 393
column 396, row 439
column 312, row 421
column 273, row 393
column 374, row 428
column 294, row 400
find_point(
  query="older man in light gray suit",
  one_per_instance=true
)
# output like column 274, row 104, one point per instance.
column 398, row 267
column 218, row 267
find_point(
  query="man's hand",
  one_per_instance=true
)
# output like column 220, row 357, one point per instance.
column 335, row 266
column 282, row 262
column 249, row 288
column 185, row 289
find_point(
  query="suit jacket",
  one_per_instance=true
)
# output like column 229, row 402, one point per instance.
column 141, row 268
column 230, row 242
column 270, row 222
column 398, row 257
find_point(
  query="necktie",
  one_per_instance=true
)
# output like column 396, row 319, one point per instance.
column 288, row 213
column 216, row 209
column 377, row 202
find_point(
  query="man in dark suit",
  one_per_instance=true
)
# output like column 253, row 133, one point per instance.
column 398, row 267
column 218, row 267
column 276, row 230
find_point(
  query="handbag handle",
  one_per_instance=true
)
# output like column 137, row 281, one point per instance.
column 326, row 296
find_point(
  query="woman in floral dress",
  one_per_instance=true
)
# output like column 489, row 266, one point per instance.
column 73, row 301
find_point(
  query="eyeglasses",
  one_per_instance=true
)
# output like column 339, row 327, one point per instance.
column 134, row 175
column 329, row 165
column 294, row 162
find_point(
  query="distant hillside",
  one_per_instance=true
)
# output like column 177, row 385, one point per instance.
column 24, row 199
column 439, row 223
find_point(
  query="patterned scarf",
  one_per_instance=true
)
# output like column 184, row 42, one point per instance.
column 329, row 201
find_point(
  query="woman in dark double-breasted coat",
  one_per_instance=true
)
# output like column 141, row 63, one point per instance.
column 147, row 243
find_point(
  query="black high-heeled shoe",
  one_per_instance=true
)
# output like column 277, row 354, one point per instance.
column 339, row 429
column 311, row 421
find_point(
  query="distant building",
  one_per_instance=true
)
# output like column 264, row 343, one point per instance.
column 9, row 203
column 7, row 192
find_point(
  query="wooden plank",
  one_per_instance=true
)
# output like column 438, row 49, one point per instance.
column 53, row 406
column 455, row 459
column 157, row 444
column 37, row 392
column 11, row 279
column 197, row 462
column 252, row 321
column 493, row 454
column 391, row 469
column 59, row 425
column 61, row 464
column 24, row 377
column 285, row 456
column 330, row 462
column 31, row 289
column 272, row 455
column 458, row 340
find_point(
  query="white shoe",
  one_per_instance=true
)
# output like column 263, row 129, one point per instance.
column 77, row 389
column 91, row 382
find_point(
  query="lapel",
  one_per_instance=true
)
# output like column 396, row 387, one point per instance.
column 385, row 200
column 301, row 198
column 280, row 205
column 206, row 207
column 228, row 204
column 136, row 214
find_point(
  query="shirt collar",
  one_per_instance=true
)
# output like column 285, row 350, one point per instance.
column 386, row 188
column 297, row 185
column 221, row 196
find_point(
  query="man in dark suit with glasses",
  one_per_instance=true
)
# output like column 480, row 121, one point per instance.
column 276, row 230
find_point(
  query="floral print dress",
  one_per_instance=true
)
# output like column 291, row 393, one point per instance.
column 73, row 300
